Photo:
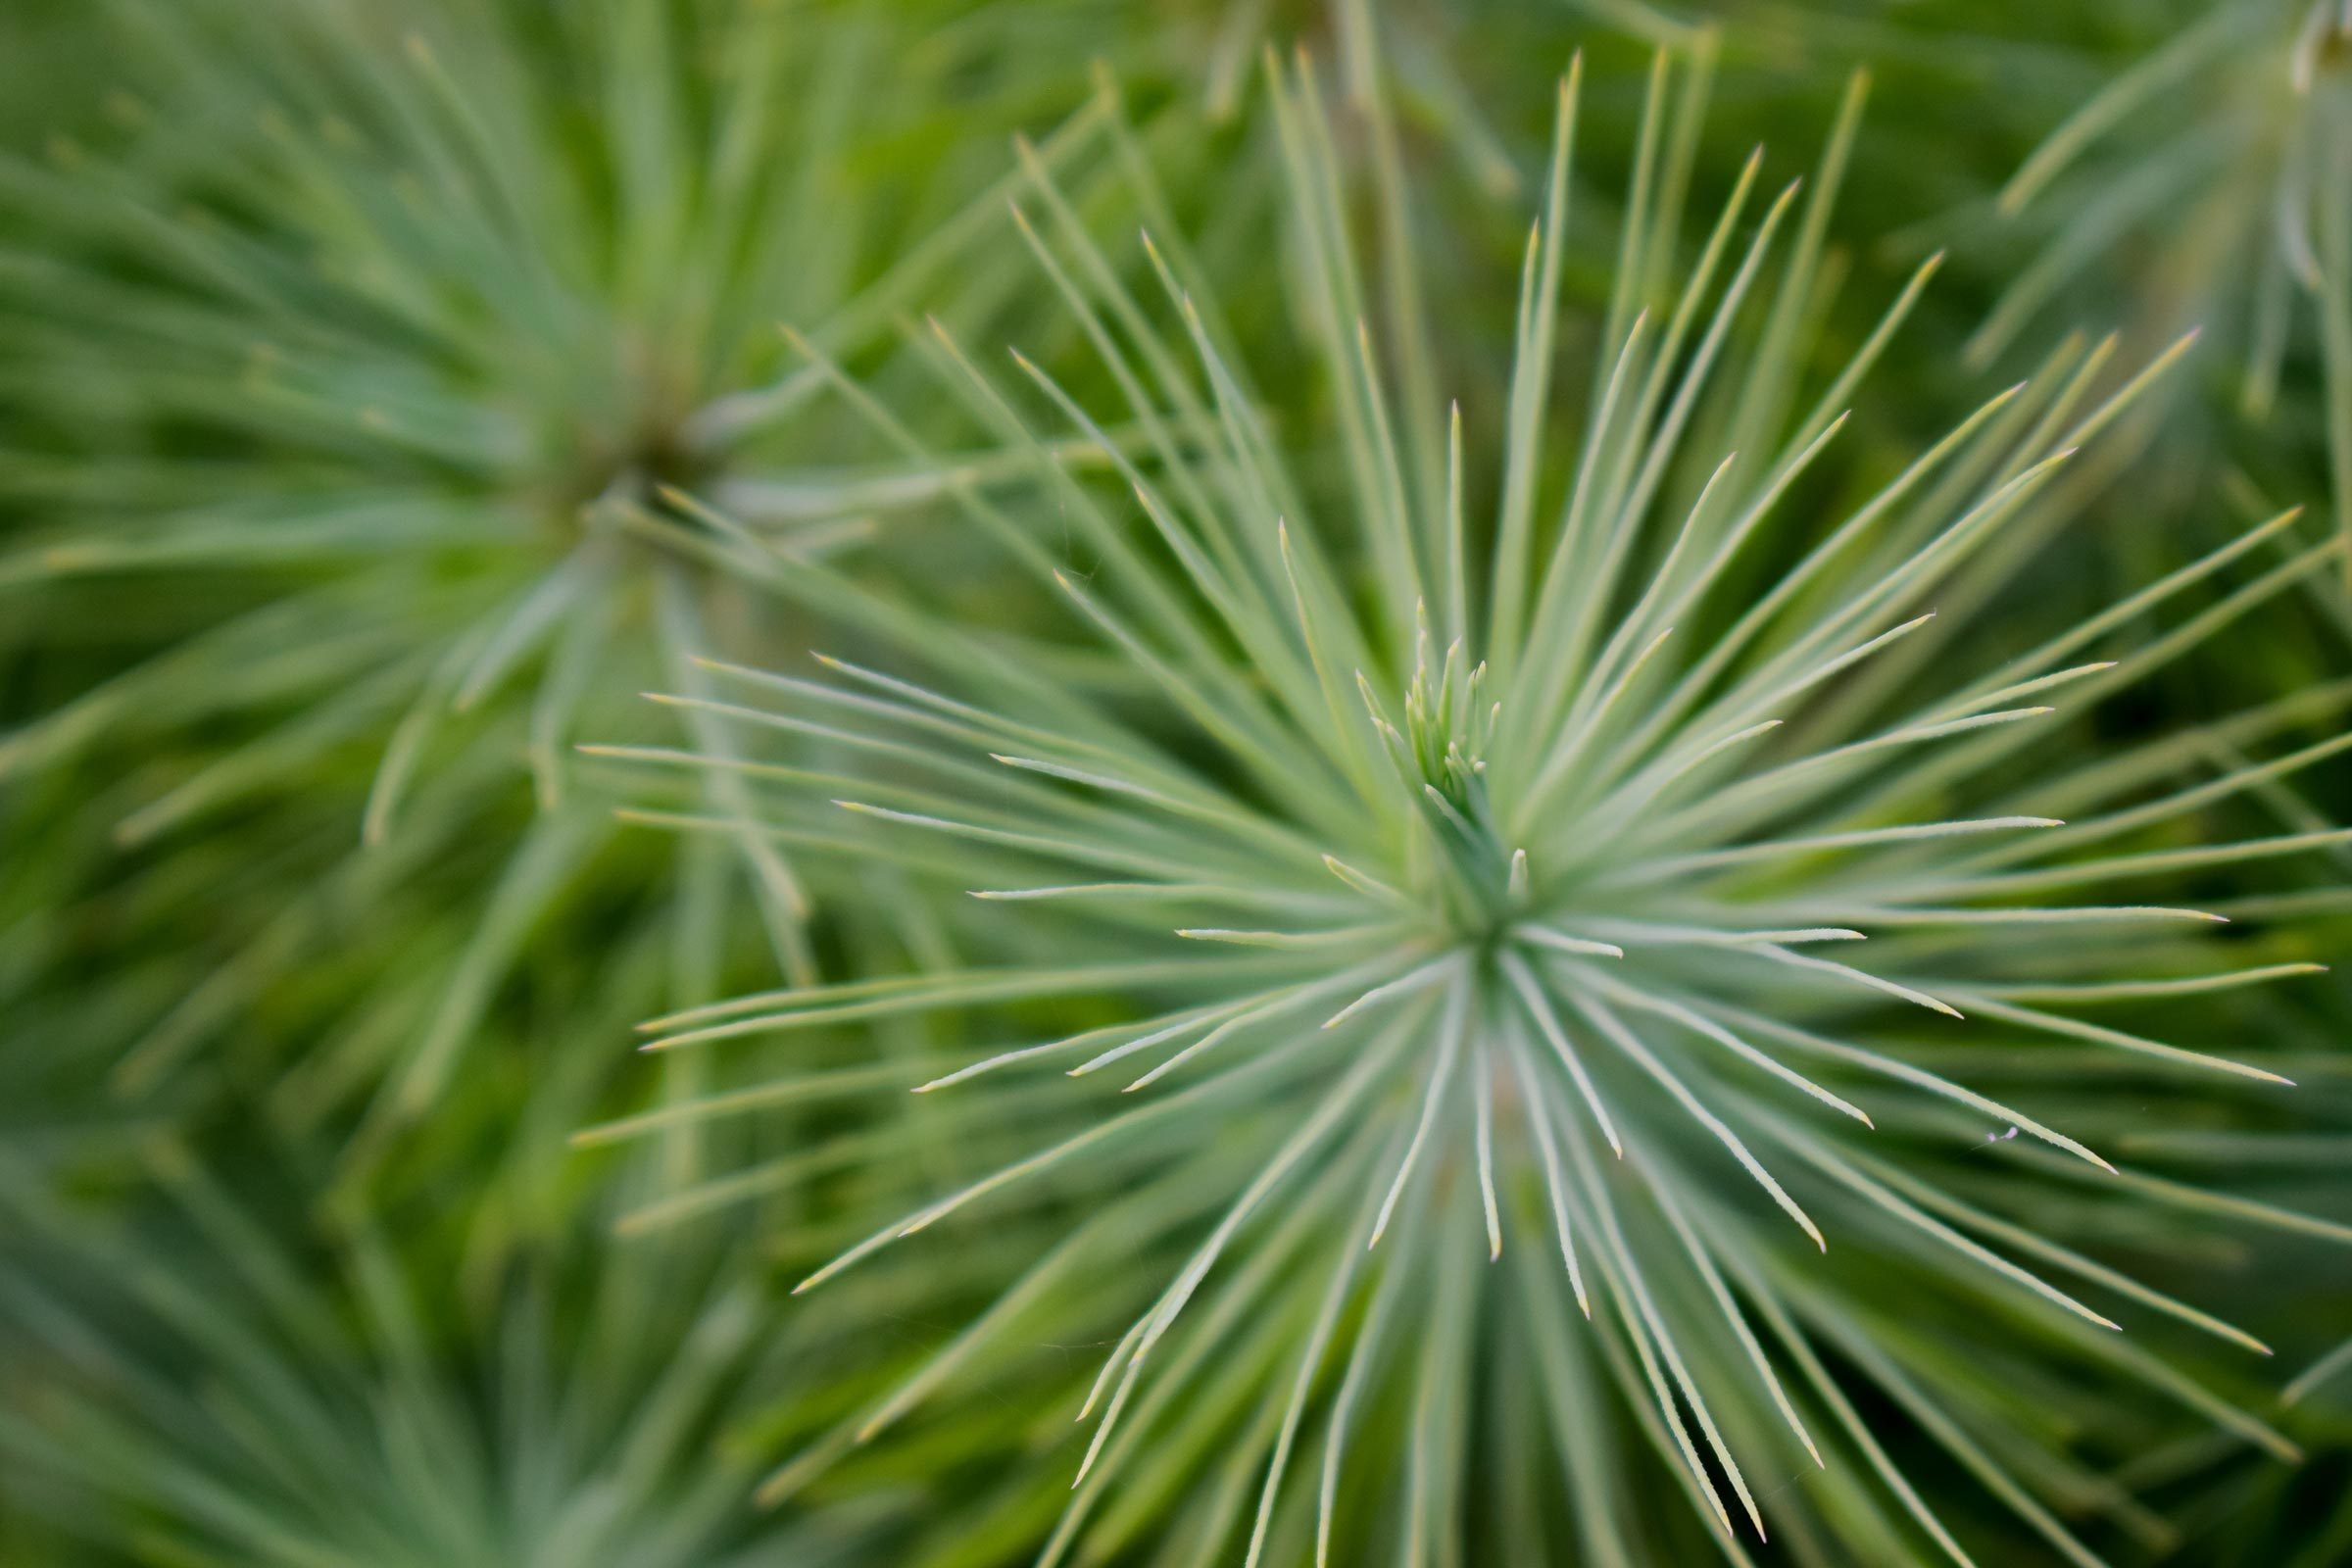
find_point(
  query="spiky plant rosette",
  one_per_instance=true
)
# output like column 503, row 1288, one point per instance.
column 340, row 361
column 1562, row 891
column 221, row 1384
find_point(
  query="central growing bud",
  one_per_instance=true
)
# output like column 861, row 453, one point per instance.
column 1474, row 880
column 617, row 425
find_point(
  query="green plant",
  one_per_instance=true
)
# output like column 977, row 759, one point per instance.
column 224, row 1387
column 329, row 368
column 1449, row 893
column 389, row 394
column 2250, row 201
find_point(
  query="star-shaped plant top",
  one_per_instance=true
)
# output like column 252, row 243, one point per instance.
column 357, row 343
column 1584, row 890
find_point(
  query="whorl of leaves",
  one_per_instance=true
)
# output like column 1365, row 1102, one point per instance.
column 1583, row 881
column 223, row 1388
column 333, row 364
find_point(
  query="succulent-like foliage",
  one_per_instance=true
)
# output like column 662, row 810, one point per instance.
column 1584, row 890
column 332, row 365
column 212, row 1395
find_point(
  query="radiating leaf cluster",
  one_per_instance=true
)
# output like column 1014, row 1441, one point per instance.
column 1577, row 881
